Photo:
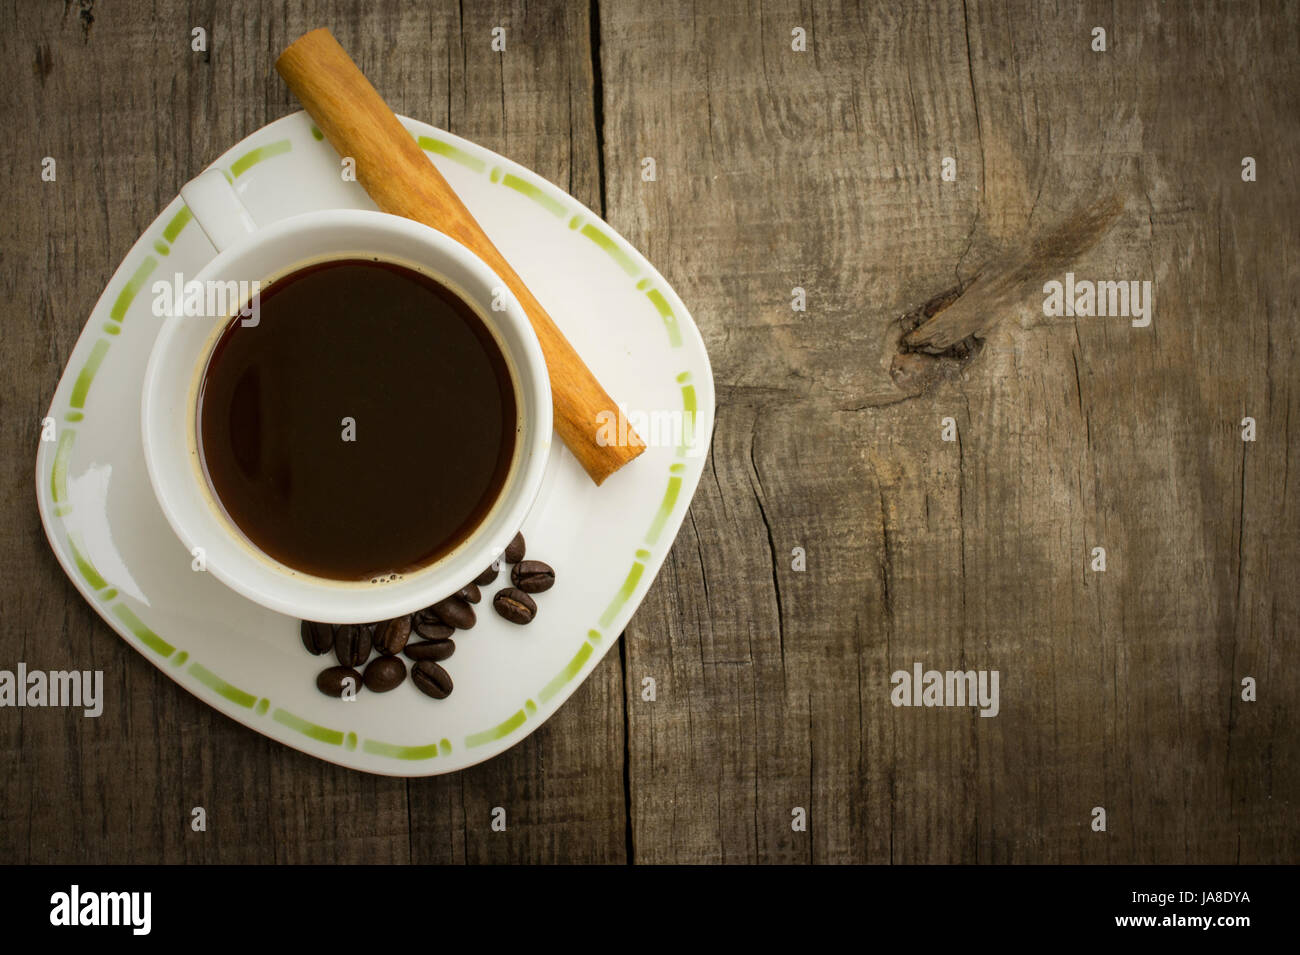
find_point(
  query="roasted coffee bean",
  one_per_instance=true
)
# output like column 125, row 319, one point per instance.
column 430, row 650
column 455, row 612
column 515, row 550
column 470, row 593
column 352, row 645
column 384, row 674
column 488, row 575
column 515, row 605
column 335, row 680
column 532, row 576
column 431, row 679
column 391, row 635
column 318, row 638
column 434, row 631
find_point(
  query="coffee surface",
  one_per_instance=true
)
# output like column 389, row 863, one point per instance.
column 363, row 427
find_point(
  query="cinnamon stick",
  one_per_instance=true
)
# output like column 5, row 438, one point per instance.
column 402, row 180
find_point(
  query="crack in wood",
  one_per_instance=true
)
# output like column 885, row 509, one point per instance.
column 757, row 487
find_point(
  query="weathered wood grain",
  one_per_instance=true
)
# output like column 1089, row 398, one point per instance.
column 775, row 169
column 1119, row 689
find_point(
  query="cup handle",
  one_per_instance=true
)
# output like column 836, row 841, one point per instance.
column 217, row 208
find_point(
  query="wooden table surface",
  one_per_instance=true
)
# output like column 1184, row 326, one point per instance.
column 775, row 169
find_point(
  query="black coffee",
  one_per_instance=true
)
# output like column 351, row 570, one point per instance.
column 363, row 427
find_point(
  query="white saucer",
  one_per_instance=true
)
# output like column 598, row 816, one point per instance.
column 606, row 544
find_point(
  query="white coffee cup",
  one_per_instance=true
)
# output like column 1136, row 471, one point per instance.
column 169, row 406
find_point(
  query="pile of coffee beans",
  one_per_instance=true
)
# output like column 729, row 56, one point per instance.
column 424, row 637
column 370, row 655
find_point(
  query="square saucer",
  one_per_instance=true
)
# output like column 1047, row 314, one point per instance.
column 606, row 543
